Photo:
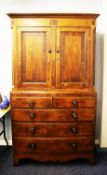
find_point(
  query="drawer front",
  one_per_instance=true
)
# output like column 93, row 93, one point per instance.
column 53, row 115
column 52, row 130
column 31, row 146
column 74, row 102
column 31, row 102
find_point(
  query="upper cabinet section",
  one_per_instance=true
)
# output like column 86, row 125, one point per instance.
column 53, row 50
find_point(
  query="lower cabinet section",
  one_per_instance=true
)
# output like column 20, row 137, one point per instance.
column 60, row 129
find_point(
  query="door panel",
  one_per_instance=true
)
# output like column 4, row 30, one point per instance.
column 34, row 55
column 71, row 57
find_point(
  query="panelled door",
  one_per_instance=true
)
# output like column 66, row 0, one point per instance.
column 34, row 57
column 53, row 57
column 72, row 52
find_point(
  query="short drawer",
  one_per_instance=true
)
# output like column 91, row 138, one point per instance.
column 31, row 102
column 21, row 129
column 53, row 115
column 74, row 102
column 49, row 145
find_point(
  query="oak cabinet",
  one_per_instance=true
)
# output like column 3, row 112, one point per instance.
column 53, row 99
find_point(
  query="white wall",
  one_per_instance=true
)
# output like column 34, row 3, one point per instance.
column 42, row 6
column 83, row 6
column 103, row 142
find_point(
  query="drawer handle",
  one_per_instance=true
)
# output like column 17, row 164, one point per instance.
column 74, row 146
column 32, row 115
column 74, row 130
column 31, row 104
column 33, row 146
column 75, row 103
column 33, row 130
column 74, row 115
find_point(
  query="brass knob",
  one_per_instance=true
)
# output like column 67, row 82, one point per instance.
column 49, row 51
column 74, row 115
column 31, row 104
column 74, row 130
column 75, row 103
column 57, row 50
column 32, row 115
column 32, row 146
column 33, row 130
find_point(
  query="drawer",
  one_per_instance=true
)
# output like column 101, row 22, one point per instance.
column 55, row 145
column 31, row 102
column 52, row 129
column 74, row 102
column 53, row 115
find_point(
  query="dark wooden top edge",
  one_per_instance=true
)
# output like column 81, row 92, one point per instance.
column 87, row 91
column 44, row 15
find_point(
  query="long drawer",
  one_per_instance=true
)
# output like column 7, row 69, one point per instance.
column 55, row 145
column 31, row 102
column 21, row 129
column 74, row 102
column 53, row 114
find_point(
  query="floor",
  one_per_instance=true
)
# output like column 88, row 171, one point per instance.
column 29, row 167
